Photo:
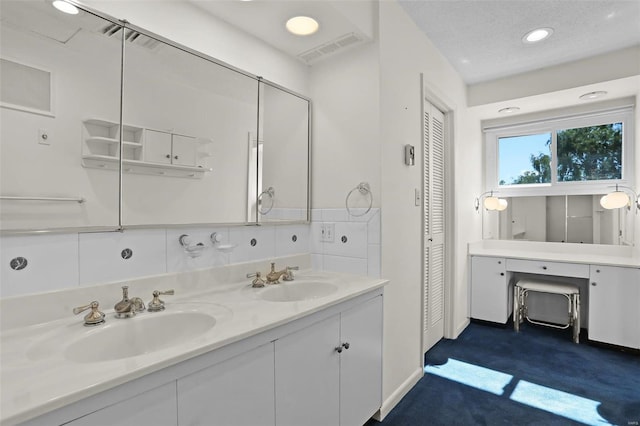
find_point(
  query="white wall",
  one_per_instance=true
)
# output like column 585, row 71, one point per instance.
column 345, row 127
column 405, row 53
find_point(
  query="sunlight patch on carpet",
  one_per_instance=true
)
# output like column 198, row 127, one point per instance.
column 563, row 404
column 471, row 375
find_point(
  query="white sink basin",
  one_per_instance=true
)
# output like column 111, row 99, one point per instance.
column 137, row 336
column 296, row 291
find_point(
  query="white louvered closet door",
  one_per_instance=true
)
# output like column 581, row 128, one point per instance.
column 434, row 225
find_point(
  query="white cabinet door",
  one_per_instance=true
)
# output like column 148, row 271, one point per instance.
column 307, row 375
column 361, row 364
column 183, row 150
column 490, row 291
column 614, row 295
column 157, row 147
column 155, row 407
column 235, row 392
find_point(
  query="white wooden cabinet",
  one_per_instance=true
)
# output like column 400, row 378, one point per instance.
column 293, row 374
column 491, row 294
column 145, row 151
column 154, row 407
column 614, row 295
column 361, row 364
column 308, row 375
column 235, row 392
column 169, row 148
column 330, row 373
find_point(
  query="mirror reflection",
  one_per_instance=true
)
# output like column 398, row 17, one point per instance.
column 567, row 218
column 279, row 158
column 55, row 68
column 196, row 142
column 186, row 151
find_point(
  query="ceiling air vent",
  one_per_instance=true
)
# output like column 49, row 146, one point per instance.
column 131, row 36
column 331, row 47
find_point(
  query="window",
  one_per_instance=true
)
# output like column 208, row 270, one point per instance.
column 577, row 154
column 525, row 159
column 590, row 153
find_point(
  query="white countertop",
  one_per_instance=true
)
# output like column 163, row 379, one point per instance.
column 597, row 254
column 36, row 377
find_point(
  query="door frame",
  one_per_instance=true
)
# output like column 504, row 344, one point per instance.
column 432, row 95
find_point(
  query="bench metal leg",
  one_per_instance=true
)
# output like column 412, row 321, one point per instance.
column 517, row 307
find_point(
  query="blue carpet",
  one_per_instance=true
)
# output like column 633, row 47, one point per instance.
column 494, row 376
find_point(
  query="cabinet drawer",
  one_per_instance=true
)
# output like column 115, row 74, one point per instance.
column 577, row 270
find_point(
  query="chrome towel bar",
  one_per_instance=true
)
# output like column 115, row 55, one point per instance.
column 62, row 199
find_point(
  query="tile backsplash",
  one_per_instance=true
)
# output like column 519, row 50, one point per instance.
column 40, row 263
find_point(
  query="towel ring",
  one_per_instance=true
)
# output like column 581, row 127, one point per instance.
column 364, row 189
column 271, row 193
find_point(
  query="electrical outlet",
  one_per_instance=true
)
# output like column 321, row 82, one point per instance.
column 327, row 231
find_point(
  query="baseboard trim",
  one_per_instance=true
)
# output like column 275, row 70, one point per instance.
column 461, row 328
column 398, row 394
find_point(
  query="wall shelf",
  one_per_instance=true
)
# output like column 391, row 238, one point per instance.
column 101, row 150
column 141, row 167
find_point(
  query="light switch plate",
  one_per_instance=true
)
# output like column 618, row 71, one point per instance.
column 327, row 231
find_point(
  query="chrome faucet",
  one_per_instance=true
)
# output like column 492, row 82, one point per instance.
column 127, row 308
column 94, row 317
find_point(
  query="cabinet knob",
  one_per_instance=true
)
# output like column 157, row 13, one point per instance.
column 339, row 349
column 499, row 262
column 502, row 274
column 594, row 284
column 598, row 271
column 345, row 345
column 168, row 155
column 176, row 157
column 544, row 267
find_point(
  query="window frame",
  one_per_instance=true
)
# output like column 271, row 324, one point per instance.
column 551, row 124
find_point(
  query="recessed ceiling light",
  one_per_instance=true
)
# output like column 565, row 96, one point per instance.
column 593, row 95
column 65, row 7
column 302, row 25
column 537, row 35
column 509, row 110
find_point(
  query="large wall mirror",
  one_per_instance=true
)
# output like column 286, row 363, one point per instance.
column 279, row 158
column 195, row 142
column 188, row 121
column 56, row 70
column 562, row 218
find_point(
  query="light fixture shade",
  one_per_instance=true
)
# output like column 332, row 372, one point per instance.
column 491, row 203
column 65, row 7
column 502, row 204
column 614, row 200
column 302, row 25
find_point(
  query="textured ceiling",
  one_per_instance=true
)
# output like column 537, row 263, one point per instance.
column 482, row 39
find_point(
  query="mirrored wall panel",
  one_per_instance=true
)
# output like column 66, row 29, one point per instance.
column 567, row 218
column 180, row 140
column 279, row 158
column 187, row 122
column 60, row 79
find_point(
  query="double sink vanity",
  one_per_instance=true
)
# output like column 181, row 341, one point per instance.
column 306, row 351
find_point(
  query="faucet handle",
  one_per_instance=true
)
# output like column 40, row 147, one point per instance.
column 258, row 282
column 156, row 304
column 288, row 276
column 94, row 317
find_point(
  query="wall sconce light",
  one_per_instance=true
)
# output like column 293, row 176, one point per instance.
column 619, row 198
column 491, row 202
